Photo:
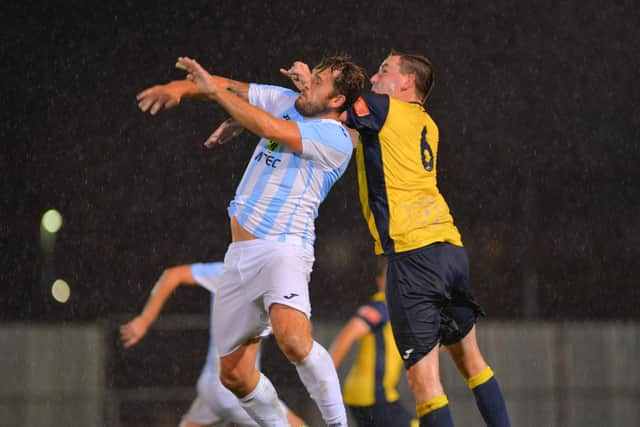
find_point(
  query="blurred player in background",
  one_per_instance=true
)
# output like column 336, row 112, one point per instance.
column 214, row 405
column 370, row 389
column 303, row 151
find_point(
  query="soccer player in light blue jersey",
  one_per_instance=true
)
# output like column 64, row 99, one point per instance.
column 214, row 404
column 429, row 293
column 302, row 152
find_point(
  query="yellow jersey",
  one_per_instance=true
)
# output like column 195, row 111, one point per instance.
column 397, row 157
column 376, row 371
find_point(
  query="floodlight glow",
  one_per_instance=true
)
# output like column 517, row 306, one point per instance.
column 52, row 221
column 60, row 291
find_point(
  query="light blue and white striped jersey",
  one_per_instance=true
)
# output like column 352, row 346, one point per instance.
column 207, row 275
column 281, row 190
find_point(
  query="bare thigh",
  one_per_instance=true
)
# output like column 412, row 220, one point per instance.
column 467, row 356
column 424, row 377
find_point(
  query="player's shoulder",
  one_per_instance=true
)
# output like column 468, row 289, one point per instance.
column 370, row 314
column 278, row 90
column 370, row 103
column 410, row 112
column 271, row 97
column 368, row 113
column 327, row 132
column 375, row 311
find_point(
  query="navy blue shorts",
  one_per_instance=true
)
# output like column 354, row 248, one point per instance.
column 383, row 414
column 429, row 299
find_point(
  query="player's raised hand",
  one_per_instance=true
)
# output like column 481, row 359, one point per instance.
column 300, row 75
column 228, row 130
column 159, row 97
column 205, row 82
column 133, row 331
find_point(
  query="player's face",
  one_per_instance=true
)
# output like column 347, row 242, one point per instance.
column 389, row 79
column 320, row 98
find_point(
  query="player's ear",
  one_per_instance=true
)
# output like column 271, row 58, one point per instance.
column 410, row 82
column 337, row 101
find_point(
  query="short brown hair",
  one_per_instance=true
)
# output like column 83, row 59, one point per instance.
column 421, row 67
column 350, row 82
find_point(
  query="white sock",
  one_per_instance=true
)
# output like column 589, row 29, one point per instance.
column 320, row 378
column 263, row 405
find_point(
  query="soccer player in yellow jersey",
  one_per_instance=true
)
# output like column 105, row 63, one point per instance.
column 428, row 292
column 370, row 389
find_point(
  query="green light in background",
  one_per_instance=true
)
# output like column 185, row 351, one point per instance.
column 52, row 221
column 60, row 291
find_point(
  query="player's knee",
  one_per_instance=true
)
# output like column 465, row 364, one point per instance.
column 233, row 380
column 295, row 346
column 470, row 366
column 425, row 388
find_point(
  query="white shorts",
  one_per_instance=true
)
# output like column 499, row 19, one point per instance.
column 256, row 274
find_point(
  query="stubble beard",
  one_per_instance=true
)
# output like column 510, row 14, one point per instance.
column 307, row 109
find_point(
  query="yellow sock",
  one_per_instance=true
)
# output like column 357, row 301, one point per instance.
column 431, row 405
column 480, row 378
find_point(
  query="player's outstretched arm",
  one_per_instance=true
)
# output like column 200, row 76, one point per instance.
column 163, row 97
column 171, row 278
column 226, row 131
column 248, row 116
column 300, row 75
column 355, row 329
column 166, row 96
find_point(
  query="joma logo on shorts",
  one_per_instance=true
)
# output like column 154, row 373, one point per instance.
column 291, row 295
column 269, row 159
column 407, row 353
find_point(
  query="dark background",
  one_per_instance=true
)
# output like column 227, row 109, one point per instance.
column 537, row 106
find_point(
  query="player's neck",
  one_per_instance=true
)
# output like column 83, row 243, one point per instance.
column 407, row 96
column 327, row 114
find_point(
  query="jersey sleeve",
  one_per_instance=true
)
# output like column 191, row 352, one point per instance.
column 325, row 141
column 368, row 113
column 269, row 98
column 207, row 274
column 374, row 314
